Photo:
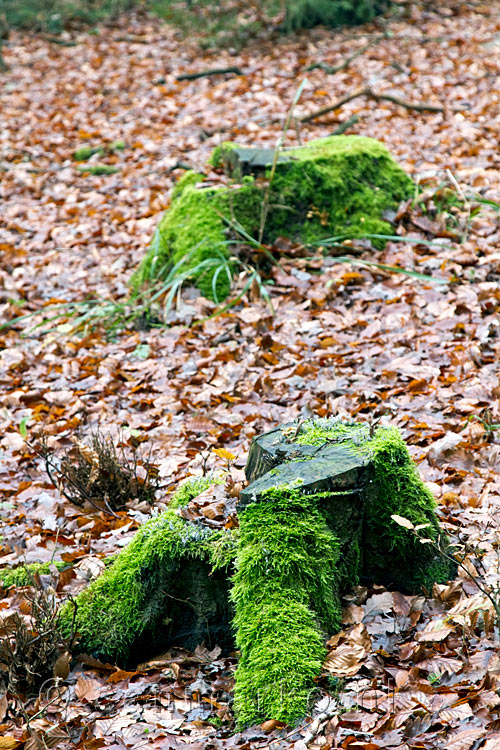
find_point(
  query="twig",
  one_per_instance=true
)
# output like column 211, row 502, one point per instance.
column 212, row 72
column 133, row 39
column 331, row 69
column 367, row 91
column 336, row 104
column 420, row 106
column 343, row 126
column 265, row 202
column 57, row 40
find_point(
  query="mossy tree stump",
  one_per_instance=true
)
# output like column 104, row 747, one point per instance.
column 339, row 186
column 314, row 522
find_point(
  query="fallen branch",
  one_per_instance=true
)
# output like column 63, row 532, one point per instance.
column 420, row 106
column 212, row 72
column 367, row 91
column 336, row 104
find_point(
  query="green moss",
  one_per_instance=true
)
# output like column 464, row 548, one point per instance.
column 285, row 591
column 192, row 235
column 98, row 169
column 349, row 180
column 23, row 574
column 400, row 491
column 84, row 153
column 191, row 488
column 333, row 186
column 292, row 556
column 219, row 156
column 132, row 598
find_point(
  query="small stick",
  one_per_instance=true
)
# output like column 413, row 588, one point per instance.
column 343, row 126
column 331, row 69
column 212, row 72
column 420, row 106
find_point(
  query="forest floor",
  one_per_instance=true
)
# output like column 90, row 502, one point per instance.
column 406, row 671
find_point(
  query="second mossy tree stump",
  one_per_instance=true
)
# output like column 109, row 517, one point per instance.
column 314, row 522
column 336, row 187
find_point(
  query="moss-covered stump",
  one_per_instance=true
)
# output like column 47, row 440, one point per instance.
column 339, row 186
column 314, row 522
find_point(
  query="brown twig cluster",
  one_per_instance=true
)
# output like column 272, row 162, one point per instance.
column 95, row 473
column 30, row 643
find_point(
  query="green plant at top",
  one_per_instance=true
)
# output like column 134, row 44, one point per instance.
column 285, row 592
column 307, row 13
column 52, row 16
column 234, row 23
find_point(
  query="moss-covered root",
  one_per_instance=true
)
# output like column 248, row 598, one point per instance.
column 285, row 591
column 149, row 587
column 392, row 555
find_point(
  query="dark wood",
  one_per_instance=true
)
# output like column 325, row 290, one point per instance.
column 239, row 162
column 212, row 72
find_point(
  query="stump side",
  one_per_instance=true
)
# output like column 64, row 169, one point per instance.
column 286, row 597
column 161, row 583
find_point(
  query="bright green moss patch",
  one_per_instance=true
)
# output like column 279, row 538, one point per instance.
column 335, row 186
column 23, row 574
column 192, row 235
column 285, row 592
column 98, row 169
column 191, row 488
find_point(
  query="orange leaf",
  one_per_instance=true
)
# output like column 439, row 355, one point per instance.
column 224, row 454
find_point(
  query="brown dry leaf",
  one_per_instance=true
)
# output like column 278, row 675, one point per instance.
column 121, row 674
column 435, row 631
column 271, row 725
column 345, row 660
column 87, row 688
column 462, row 611
column 4, row 704
column 458, row 713
column 61, row 667
column 464, row 740
column 10, row 743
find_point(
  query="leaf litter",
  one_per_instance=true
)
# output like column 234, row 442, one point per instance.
column 405, row 671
